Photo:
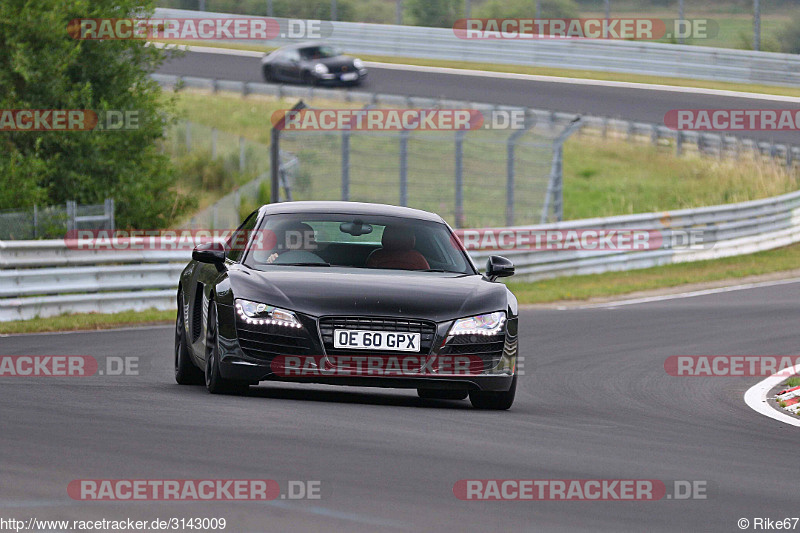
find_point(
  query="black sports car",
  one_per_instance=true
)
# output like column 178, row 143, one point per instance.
column 352, row 294
column 312, row 64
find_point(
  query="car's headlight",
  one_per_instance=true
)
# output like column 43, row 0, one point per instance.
column 488, row 324
column 357, row 63
column 258, row 313
column 319, row 68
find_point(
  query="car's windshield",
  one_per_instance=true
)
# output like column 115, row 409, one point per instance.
column 319, row 52
column 356, row 241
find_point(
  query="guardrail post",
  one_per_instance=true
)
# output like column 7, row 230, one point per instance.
column 242, row 160
column 35, row 221
column 213, row 143
column 678, row 143
column 345, row 165
column 654, row 134
column 459, row 179
column 404, row 168
column 188, row 136
column 789, row 154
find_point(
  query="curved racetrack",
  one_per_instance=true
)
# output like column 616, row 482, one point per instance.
column 640, row 104
column 595, row 402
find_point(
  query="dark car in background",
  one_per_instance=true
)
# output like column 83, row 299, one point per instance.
column 337, row 284
column 312, row 64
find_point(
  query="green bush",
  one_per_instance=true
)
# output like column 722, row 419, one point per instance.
column 789, row 35
column 527, row 9
column 43, row 67
column 434, row 13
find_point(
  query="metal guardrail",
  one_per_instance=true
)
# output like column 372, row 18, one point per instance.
column 636, row 57
column 46, row 278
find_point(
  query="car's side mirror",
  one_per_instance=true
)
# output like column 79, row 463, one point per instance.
column 499, row 267
column 210, row 252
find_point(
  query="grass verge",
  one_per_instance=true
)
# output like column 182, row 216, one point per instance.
column 792, row 382
column 87, row 321
column 602, row 177
column 576, row 288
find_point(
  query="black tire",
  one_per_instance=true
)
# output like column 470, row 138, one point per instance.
column 186, row 373
column 308, row 79
column 269, row 77
column 215, row 383
column 442, row 394
column 497, row 401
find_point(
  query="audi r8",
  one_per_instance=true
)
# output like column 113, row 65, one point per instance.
column 352, row 294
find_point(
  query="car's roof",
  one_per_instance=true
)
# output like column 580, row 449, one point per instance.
column 350, row 208
column 306, row 44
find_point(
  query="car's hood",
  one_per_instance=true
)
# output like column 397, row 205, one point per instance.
column 334, row 62
column 320, row 291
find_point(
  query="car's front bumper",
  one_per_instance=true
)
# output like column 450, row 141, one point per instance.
column 242, row 369
column 492, row 374
column 342, row 77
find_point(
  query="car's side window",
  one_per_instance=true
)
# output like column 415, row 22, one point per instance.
column 237, row 242
column 292, row 55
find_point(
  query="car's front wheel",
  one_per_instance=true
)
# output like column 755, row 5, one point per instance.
column 269, row 75
column 309, row 79
column 186, row 373
column 442, row 394
column 494, row 400
column 215, row 383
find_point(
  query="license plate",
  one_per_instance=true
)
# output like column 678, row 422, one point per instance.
column 376, row 340
column 350, row 76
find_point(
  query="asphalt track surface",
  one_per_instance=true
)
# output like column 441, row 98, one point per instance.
column 594, row 403
column 643, row 105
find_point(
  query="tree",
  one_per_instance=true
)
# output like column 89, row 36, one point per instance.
column 43, row 67
column 434, row 13
column 527, row 9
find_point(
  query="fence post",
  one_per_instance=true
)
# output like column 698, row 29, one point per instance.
column 459, row 163
column 188, row 136
column 789, row 156
column 275, row 155
column 213, row 143
column 345, row 165
column 510, row 170
column 108, row 211
column 404, row 168
column 555, row 188
column 35, row 221
column 242, row 160
column 678, row 143
column 72, row 209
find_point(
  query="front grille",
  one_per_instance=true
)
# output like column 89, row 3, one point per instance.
column 264, row 341
column 327, row 325
column 488, row 348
